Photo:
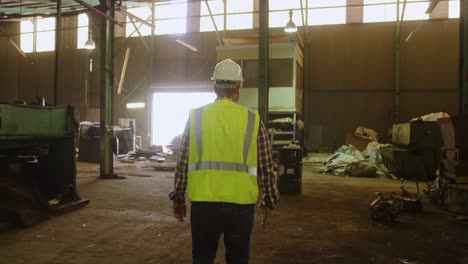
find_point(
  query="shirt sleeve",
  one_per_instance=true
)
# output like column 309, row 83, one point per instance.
column 180, row 179
column 266, row 177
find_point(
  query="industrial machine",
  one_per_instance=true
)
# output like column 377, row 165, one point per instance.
column 451, row 190
column 415, row 151
column 37, row 162
column 123, row 141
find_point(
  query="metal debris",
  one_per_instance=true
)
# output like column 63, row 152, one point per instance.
column 409, row 203
column 388, row 208
column 407, row 261
column 384, row 209
column 435, row 190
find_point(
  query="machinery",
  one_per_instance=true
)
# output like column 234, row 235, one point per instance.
column 122, row 141
column 415, row 151
column 451, row 189
column 37, row 162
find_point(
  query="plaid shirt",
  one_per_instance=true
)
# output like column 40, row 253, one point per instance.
column 265, row 177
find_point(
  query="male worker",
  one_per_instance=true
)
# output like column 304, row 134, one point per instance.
column 225, row 155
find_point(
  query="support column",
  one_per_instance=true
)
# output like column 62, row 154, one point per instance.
column 106, row 87
column 305, row 71
column 58, row 36
column 263, row 51
column 396, row 97
column 463, row 76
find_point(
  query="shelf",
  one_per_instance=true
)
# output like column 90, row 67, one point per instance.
column 276, row 122
column 284, row 133
column 282, row 142
column 281, row 110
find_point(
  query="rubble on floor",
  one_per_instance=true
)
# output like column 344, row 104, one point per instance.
column 387, row 207
column 349, row 161
column 152, row 157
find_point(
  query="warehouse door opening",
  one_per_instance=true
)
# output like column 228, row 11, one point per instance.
column 170, row 113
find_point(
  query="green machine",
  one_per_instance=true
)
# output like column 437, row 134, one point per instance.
column 37, row 162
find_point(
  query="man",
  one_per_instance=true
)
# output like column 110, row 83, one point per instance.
column 225, row 156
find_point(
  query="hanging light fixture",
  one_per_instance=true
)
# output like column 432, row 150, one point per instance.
column 291, row 26
column 90, row 43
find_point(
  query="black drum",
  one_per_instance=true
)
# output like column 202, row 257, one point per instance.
column 290, row 171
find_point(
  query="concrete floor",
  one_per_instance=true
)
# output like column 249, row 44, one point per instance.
column 130, row 221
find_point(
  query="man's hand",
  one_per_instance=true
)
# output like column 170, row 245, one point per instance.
column 180, row 211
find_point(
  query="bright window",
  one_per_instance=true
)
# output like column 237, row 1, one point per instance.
column 454, row 9
column 83, row 24
column 385, row 10
column 239, row 15
column 134, row 26
column 281, row 18
column 217, row 9
column 326, row 12
column 279, row 12
column 285, row 5
column 239, row 21
column 168, row 124
column 415, row 11
column 38, row 34
column 170, row 17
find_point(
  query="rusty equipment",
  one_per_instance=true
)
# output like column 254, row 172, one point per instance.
column 415, row 150
column 387, row 208
column 384, row 209
column 410, row 203
column 37, row 161
column 455, row 150
column 123, row 141
column 450, row 190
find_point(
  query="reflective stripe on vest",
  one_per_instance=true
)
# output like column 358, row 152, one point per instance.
column 219, row 165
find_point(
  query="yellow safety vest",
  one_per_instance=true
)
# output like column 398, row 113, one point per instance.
column 223, row 153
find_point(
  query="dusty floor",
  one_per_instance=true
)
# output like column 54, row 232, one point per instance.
column 130, row 221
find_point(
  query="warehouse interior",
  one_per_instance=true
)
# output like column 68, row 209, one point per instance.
column 365, row 103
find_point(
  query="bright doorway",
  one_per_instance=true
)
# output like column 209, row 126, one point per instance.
column 171, row 111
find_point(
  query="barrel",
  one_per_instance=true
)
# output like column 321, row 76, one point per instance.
column 290, row 171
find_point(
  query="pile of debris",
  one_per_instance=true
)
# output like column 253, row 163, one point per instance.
column 153, row 157
column 349, row 161
column 387, row 208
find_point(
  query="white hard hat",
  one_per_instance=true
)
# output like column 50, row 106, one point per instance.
column 227, row 70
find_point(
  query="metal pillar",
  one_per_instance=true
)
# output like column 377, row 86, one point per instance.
column 149, row 94
column 263, row 51
column 396, row 101
column 463, row 76
column 106, row 87
column 305, row 72
column 58, row 31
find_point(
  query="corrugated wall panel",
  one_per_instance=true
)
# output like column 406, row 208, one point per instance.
column 352, row 75
column 72, row 77
column 11, row 59
column 21, row 80
column 37, row 79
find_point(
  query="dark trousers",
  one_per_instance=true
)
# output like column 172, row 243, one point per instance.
column 209, row 220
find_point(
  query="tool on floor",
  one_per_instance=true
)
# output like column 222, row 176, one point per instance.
column 384, row 209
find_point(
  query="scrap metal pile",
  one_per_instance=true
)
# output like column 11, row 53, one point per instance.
column 387, row 208
column 424, row 157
